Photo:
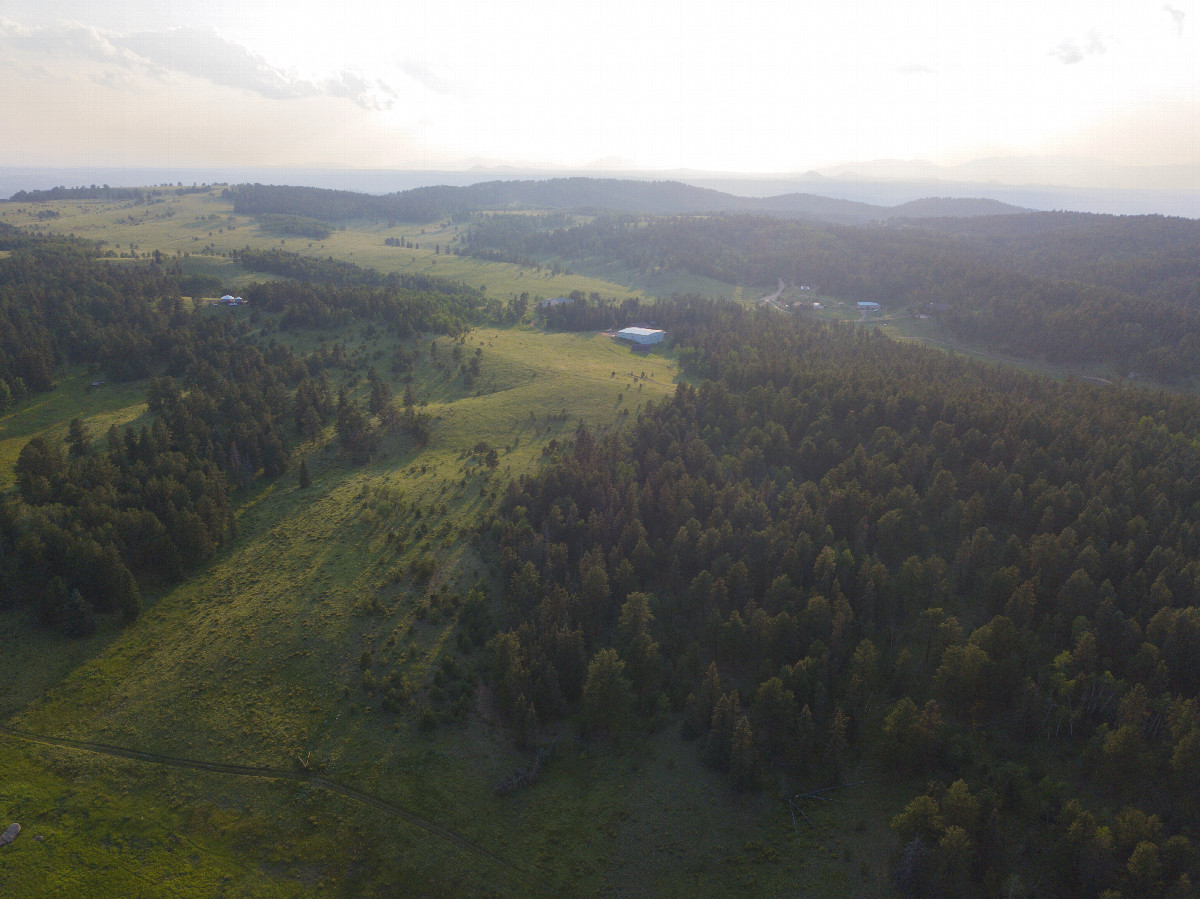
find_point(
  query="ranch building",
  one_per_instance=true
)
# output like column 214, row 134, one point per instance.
column 643, row 336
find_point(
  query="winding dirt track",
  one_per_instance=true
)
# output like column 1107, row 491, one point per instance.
column 772, row 299
column 333, row 786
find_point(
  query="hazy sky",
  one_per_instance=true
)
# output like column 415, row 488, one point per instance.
column 756, row 86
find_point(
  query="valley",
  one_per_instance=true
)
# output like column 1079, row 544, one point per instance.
column 782, row 606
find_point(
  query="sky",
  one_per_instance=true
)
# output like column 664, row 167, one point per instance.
column 760, row 86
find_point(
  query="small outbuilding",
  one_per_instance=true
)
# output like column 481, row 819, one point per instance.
column 642, row 336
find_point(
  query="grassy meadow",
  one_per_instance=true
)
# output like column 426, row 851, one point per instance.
column 202, row 226
column 278, row 656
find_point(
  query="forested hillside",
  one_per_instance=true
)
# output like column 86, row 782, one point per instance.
column 838, row 550
column 1067, row 288
column 427, row 204
column 57, row 305
column 89, row 523
column 1147, row 255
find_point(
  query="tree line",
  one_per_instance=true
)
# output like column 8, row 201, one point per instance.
column 59, row 305
column 139, row 195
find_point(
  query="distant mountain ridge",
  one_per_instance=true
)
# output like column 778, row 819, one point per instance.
column 578, row 193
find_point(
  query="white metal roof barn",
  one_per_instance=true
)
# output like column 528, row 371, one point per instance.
column 644, row 336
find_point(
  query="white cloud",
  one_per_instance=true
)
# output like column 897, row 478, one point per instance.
column 73, row 39
column 204, row 53
column 115, row 79
column 1177, row 17
column 427, row 77
column 1070, row 52
column 370, row 94
column 200, row 52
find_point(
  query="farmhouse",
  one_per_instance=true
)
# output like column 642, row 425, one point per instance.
column 555, row 301
column 867, row 306
column 643, row 336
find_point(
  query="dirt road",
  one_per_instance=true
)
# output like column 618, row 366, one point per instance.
column 773, row 299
